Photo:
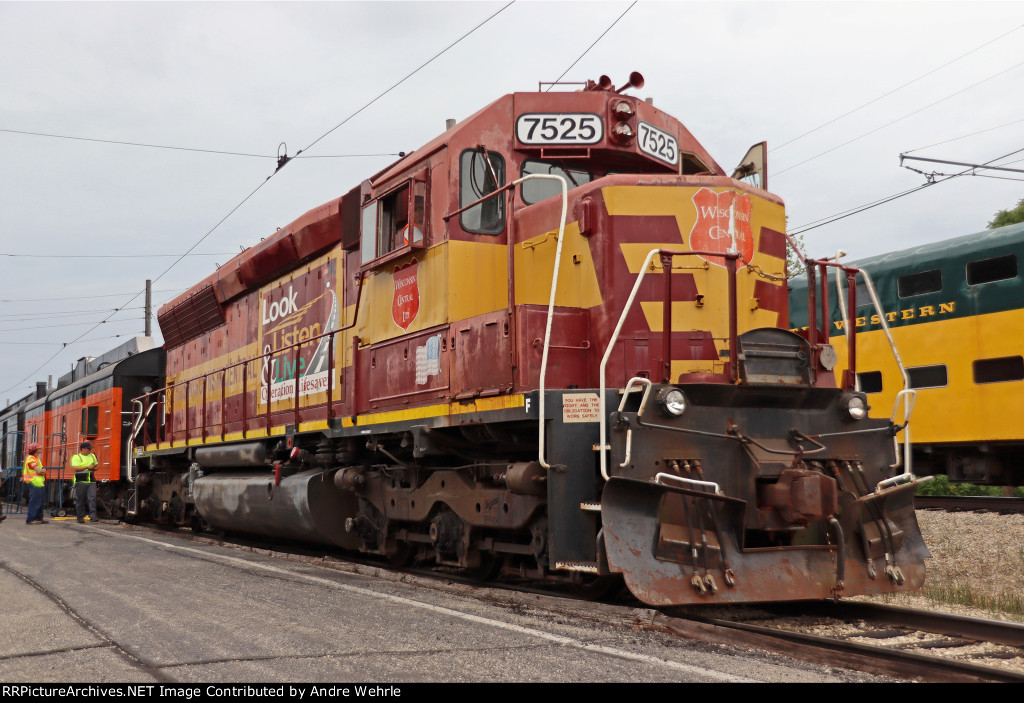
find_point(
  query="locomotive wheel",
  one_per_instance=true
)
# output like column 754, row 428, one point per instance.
column 609, row 587
column 403, row 556
column 489, row 569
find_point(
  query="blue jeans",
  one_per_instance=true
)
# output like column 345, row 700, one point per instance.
column 35, row 503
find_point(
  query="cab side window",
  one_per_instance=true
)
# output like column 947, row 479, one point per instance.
column 393, row 215
column 395, row 221
column 481, row 173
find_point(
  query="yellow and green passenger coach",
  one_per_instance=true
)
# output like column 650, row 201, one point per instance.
column 956, row 312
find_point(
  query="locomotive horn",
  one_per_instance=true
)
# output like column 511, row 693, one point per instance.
column 636, row 80
column 604, row 83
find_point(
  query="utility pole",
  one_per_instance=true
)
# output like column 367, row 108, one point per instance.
column 149, row 307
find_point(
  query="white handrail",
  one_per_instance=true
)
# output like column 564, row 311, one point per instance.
column 551, row 304
column 643, row 404
column 907, row 394
column 607, row 355
column 142, row 417
column 554, row 289
column 710, row 484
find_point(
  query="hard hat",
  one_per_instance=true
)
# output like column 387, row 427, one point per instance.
column 34, row 447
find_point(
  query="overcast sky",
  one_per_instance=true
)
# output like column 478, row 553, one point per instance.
column 243, row 78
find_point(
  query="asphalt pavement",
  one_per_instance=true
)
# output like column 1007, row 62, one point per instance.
column 112, row 603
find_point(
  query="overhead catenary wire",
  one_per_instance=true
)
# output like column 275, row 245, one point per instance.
column 94, row 324
column 964, row 136
column 83, row 297
column 25, row 317
column 898, row 119
column 895, row 90
column 180, row 148
column 887, row 199
column 587, row 50
column 65, row 345
column 407, row 77
column 104, row 256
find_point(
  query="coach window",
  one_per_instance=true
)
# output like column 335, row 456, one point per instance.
column 1007, row 368
column 1000, row 268
column 863, row 297
column 541, row 189
column 481, row 172
column 870, row 381
column 928, row 376
column 919, row 283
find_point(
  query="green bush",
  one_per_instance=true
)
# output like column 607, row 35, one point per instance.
column 941, row 486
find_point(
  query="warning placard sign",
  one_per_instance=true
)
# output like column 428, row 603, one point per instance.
column 580, row 407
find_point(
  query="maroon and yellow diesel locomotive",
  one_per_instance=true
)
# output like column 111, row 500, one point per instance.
column 553, row 341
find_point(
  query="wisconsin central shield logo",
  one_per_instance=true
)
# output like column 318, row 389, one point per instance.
column 406, row 302
column 720, row 218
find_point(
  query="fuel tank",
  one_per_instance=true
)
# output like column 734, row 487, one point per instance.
column 305, row 506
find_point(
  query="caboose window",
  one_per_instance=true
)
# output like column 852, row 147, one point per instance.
column 1007, row 368
column 919, row 283
column 1000, row 268
column 480, row 176
column 537, row 190
column 928, row 376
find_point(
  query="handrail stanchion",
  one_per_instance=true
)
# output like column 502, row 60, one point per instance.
column 245, row 397
column 206, row 407
column 730, row 267
column 666, row 319
column 270, row 387
column 296, row 373
column 223, row 400
column 330, row 377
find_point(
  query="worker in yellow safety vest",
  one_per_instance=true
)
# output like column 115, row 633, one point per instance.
column 34, row 476
column 84, row 464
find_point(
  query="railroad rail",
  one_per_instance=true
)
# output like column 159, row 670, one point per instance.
column 970, row 503
column 901, row 642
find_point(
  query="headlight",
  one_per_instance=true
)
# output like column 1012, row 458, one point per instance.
column 672, row 401
column 622, row 133
column 623, row 110
column 855, row 406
